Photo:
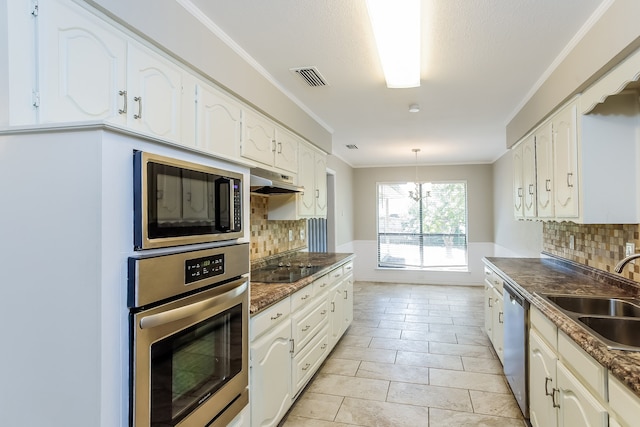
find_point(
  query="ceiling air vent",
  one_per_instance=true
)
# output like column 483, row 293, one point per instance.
column 352, row 146
column 310, row 75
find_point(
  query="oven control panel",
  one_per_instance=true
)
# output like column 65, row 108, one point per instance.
column 202, row 268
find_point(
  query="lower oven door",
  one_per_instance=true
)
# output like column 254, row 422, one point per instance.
column 189, row 359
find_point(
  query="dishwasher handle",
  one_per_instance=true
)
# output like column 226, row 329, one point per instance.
column 514, row 296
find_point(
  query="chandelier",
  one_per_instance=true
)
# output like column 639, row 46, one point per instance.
column 416, row 194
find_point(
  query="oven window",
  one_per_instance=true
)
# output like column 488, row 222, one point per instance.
column 191, row 365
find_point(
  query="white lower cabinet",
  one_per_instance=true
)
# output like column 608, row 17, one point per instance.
column 625, row 406
column 494, row 311
column 270, row 391
column 291, row 339
column 566, row 388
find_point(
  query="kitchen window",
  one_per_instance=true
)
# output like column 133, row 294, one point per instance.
column 423, row 225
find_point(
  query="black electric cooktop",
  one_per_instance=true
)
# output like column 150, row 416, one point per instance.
column 283, row 273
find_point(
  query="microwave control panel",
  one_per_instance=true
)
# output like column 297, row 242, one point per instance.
column 203, row 268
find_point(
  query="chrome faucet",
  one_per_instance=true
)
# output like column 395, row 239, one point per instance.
column 619, row 266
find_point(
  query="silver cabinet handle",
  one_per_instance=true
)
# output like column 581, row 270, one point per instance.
column 138, row 99
column 333, row 307
column 346, row 294
column 501, row 317
column 317, row 194
column 273, row 145
column 531, row 189
column 323, row 312
column 553, row 398
column 163, row 318
column 306, row 328
column 520, row 192
column 490, row 300
column 306, row 366
column 323, row 347
column 547, row 380
column 547, row 184
column 293, row 346
column 277, row 316
column 279, row 147
column 570, row 180
column 123, row 93
column 304, row 297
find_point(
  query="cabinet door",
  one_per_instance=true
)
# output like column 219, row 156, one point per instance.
column 488, row 310
column 286, row 156
column 258, row 138
column 219, row 123
column 565, row 145
column 271, row 376
column 82, row 66
column 542, row 381
column 518, row 185
column 498, row 324
column 155, row 92
column 544, row 171
column 306, row 178
column 348, row 302
column 320, row 180
column 529, row 177
column 336, row 303
column 577, row 406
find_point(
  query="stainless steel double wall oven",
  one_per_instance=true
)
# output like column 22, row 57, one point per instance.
column 188, row 305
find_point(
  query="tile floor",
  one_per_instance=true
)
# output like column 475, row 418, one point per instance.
column 415, row 355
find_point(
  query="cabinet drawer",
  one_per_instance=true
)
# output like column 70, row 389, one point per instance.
column 347, row 268
column 321, row 285
column 270, row 317
column 592, row 373
column 623, row 402
column 492, row 278
column 307, row 362
column 335, row 275
column 307, row 323
column 301, row 297
column 547, row 329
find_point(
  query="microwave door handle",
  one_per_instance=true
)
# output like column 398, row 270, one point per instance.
column 163, row 318
column 232, row 205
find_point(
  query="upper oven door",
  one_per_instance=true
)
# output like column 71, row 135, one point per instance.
column 179, row 203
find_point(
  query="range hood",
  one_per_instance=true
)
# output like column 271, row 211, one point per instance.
column 268, row 182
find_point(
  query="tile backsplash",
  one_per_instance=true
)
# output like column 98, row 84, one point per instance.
column 269, row 237
column 597, row 245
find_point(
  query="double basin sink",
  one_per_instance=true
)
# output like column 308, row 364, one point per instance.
column 615, row 321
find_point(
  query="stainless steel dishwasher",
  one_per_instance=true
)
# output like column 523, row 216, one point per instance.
column 516, row 343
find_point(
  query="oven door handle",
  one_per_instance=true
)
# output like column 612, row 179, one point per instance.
column 154, row 320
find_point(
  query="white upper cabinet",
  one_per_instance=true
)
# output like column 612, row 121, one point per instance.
column 518, row 183
column 565, row 170
column 544, row 171
column 529, row 177
column 219, row 122
column 154, row 93
column 313, row 177
column 82, row 65
column 269, row 144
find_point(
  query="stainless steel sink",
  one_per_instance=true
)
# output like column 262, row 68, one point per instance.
column 617, row 333
column 614, row 321
column 601, row 306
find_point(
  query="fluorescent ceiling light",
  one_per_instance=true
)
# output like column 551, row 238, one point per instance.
column 396, row 27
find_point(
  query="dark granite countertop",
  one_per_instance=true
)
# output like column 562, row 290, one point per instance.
column 532, row 276
column 263, row 295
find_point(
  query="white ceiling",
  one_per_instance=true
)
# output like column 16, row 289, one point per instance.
column 481, row 59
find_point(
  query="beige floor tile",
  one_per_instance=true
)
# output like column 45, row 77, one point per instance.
column 382, row 414
column 368, row 354
column 503, row 405
column 405, row 326
column 359, row 321
column 465, row 321
column 461, row 350
column 435, row 327
column 431, row 396
column 400, row 344
column 412, row 311
column 410, row 300
column 473, row 339
column 486, row 366
column 468, row 380
column 295, row 421
column 351, row 340
column 379, row 332
column 317, row 406
column 429, row 336
column 445, row 418
column 334, row 365
column 340, row 385
column 394, row 372
column 429, row 360
column 428, row 319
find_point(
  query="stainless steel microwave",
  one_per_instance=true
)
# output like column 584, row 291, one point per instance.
column 180, row 203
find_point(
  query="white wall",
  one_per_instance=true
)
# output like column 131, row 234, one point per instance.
column 344, row 215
